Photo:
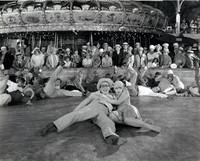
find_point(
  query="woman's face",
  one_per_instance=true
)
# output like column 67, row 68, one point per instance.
column 104, row 88
column 118, row 90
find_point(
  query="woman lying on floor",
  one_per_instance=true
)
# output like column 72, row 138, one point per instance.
column 126, row 113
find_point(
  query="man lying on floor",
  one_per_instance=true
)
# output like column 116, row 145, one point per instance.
column 52, row 87
column 91, row 108
column 16, row 96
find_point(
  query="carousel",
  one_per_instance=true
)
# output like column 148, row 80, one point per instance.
column 73, row 23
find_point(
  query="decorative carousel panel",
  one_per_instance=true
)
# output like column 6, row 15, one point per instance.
column 111, row 17
column 11, row 18
column 134, row 19
column 149, row 21
column 161, row 23
column 57, row 16
column 32, row 17
column 85, row 16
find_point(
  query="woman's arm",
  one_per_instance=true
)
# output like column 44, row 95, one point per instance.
column 120, row 100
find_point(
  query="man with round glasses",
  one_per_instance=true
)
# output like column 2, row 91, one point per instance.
column 91, row 108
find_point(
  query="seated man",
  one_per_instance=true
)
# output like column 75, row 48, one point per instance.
column 91, row 108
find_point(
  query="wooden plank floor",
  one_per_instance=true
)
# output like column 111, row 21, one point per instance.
column 179, row 139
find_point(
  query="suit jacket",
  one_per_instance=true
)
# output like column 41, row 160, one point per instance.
column 18, row 66
column 8, row 60
column 118, row 59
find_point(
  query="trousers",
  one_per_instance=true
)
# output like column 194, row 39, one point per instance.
column 52, row 92
column 95, row 111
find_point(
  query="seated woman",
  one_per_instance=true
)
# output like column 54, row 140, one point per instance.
column 127, row 113
column 68, row 63
column 151, row 57
column 87, row 62
column 179, row 58
column 37, row 59
column 106, row 61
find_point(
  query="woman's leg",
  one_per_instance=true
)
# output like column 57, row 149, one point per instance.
column 139, row 123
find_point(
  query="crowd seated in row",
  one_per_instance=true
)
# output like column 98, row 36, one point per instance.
column 27, row 85
column 93, row 56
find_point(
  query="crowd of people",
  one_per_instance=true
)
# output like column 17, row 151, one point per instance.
column 114, row 91
column 156, row 56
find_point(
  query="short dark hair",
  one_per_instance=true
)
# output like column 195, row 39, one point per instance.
column 140, row 67
column 59, row 80
column 21, row 79
column 157, row 73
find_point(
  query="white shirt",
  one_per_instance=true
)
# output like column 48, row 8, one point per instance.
column 87, row 62
column 37, row 60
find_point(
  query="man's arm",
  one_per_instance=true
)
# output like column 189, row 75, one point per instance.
column 85, row 102
column 119, row 101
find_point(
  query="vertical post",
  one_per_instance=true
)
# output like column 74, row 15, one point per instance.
column 178, row 9
column 178, row 18
column 91, row 38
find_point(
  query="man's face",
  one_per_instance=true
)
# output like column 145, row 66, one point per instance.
column 156, row 89
column 137, row 46
column 104, row 88
column 125, row 47
column 19, row 57
column 118, row 90
column 20, row 83
column 117, row 49
column 58, row 82
column 43, row 49
column 170, row 77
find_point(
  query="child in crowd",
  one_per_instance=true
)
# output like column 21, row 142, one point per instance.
column 106, row 61
column 126, row 113
column 165, row 59
column 68, row 63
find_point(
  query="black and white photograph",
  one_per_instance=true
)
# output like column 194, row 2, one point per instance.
column 100, row 80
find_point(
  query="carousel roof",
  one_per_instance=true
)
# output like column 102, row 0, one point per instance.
column 81, row 15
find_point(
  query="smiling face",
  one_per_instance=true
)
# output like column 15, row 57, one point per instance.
column 156, row 89
column 118, row 90
column 104, row 88
column 58, row 82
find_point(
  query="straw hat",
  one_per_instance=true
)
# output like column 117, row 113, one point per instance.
column 108, row 80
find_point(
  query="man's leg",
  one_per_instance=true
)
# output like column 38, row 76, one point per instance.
column 63, row 92
column 70, row 118
column 50, row 86
column 108, row 129
column 133, row 75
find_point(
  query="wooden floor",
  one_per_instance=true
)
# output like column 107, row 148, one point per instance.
column 179, row 139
